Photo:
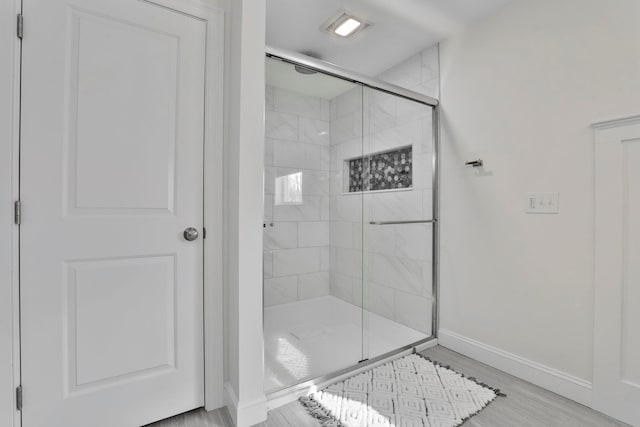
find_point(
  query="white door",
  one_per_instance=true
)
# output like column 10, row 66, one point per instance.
column 616, row 379
column 111, row 176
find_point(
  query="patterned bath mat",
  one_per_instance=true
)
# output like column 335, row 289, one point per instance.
column 411, row 391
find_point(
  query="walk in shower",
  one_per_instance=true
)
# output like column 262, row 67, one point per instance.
column 349, row 220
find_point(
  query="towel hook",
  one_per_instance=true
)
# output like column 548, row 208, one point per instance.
column 475, row 163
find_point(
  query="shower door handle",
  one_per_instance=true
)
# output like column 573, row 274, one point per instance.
column 420, row 221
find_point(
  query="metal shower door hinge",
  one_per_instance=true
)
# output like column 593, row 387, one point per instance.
column 17, row 212
column 20, row 26
column 19, row 398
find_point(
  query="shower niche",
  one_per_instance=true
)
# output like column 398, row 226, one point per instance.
column 348, row 246
column 388, row 170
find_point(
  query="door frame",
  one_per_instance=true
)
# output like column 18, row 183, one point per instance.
column 9, row 152
column 213, row 14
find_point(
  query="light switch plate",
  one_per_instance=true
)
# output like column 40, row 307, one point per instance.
column 543, row 203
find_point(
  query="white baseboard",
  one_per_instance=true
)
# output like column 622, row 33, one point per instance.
column 244, row 414
column 559, row 382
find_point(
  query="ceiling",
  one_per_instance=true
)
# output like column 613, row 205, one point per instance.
column 401, row 28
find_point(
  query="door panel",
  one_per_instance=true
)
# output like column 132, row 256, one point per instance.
column 111, row 175
column 630, row 345
column 99, row 288
column 616, row 376
column 134, row 83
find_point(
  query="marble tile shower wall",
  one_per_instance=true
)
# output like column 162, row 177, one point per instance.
column 315, row 248
column 397, row 258
column 296, row 236
column 420, row 73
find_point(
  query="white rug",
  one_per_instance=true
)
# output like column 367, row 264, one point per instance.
column 411, row 391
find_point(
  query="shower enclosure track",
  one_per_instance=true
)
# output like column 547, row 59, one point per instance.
column 341, row 73
column 289, row 393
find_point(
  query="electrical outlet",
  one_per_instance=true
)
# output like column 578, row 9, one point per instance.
column 547, row 203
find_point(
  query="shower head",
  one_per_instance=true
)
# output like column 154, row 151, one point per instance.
column 304, row 70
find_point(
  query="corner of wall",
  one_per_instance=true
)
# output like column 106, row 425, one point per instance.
column 244, row 414
column 231, row 401
column 244, row 136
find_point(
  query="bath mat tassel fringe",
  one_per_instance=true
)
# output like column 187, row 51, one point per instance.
column 317, row 411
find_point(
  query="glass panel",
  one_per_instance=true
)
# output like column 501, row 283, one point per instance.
column 312, row 226
column 397, row 184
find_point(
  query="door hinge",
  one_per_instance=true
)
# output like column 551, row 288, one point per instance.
column 204, row 233
column 20, row 26
column 19, row 398
column 17, row 212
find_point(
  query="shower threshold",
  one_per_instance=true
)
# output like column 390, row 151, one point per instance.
column 310, row 341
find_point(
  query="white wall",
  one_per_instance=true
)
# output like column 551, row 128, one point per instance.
column 244, row 393
column 7, row 228
column 296, row 237
column 520, row 89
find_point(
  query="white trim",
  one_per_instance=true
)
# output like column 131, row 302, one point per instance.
column 612, row 395
column 231, row 401
column 245, row 414
column 625, row 121
column 9, row 192
column 205, row 10
column 16, row 230
column 244, row 197
column 213, row 214
column 559, row 382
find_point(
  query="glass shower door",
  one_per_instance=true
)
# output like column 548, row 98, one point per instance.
column 347, row 232
column 312, row 225
column 398, row 159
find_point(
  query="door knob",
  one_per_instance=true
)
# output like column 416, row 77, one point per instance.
column 190, row 234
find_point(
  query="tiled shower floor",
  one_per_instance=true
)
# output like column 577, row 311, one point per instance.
column 314, row 337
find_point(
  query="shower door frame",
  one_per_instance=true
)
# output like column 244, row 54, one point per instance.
column 368, row 82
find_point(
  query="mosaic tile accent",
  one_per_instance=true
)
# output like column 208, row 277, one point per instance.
column 381, row 171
